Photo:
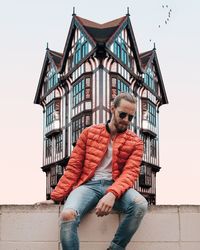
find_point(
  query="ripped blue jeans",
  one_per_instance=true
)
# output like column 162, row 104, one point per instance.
column 84, row 198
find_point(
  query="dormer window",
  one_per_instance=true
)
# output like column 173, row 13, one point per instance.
column 149, row 79
column 120, row 50
column 52, row 78
column 81, row 49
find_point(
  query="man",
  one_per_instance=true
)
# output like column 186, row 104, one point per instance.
column 100, row 174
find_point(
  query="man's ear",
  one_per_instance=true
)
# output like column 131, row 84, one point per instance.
column 112, row 109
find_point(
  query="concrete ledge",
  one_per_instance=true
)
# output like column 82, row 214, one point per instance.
column 30, row 227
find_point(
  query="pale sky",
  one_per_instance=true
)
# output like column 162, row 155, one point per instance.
column 26, row 26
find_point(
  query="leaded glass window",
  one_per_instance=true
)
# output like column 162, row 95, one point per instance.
column 53, row 111
column 52, row 78
column 59, row 143
column 78, row 124
column 78, row 92
column 49, row 113
column 77, row 127
column 120, row 50
column 145, row 179
column 118, row 86
column 152, row 114
column 153, row 147
column 149, row 79
column 122, row 87
column 48, row 147
column 149, row 112
column 81, row 49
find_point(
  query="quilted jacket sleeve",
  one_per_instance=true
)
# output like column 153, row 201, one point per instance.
column 73, row 170
column 130, row 171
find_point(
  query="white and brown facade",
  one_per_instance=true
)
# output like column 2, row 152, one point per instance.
column 76, row 89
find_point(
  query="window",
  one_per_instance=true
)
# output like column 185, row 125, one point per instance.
column 77, row 127
column 49, row 114
column 84, row 49
column 149, row 79
column 122, row 87
column 152, row 114
column 145, row 144
column 79, row 124
column 48, row 147
column 52, row 78
column 59, row 143
column 53, row 177
column 78, row 92
column 124, row 54
column 118, row 86
column 81, row 49
column 77, row 56
column 53, row 112
column 145, row 179
column 55, row 174
column 88, row 88
column 149, row 112
column 81, row 91
column 153, row 147
column 120, row 50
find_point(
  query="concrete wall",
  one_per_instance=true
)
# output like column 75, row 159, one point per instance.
column 27, row 227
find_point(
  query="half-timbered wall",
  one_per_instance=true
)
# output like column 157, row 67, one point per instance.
column 122, row 49
column 53, row 120
column 75, row 56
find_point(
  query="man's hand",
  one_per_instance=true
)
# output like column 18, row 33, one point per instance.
column 105, row 204
column 47, row 202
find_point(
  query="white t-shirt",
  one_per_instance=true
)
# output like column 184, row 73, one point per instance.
column 104, row 170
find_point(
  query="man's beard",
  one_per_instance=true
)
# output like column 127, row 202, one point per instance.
column 120, row 128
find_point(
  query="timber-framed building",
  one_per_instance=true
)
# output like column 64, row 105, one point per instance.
column 76, row 89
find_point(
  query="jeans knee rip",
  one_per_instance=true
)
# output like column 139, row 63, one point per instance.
column 76, row 216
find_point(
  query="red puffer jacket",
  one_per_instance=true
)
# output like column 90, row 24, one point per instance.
column 88, row 153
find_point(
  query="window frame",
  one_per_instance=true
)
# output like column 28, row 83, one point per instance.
column 48, row 147
column 59, row 143
column 82, row 123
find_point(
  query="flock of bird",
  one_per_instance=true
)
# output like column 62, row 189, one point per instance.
column 168, row 16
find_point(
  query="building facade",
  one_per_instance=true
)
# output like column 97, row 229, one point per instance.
column 76, row 89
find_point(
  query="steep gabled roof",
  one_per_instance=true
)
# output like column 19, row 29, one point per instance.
column 56, row 57
column 101, row 32
column 145, row 58
column 149, row 57
column 53, row 57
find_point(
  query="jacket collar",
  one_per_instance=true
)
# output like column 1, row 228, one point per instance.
column 108, row 128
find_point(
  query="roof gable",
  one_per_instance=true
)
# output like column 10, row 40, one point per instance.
column 126, row 24
column 55, row 59
column 101, row 32
column 147, row 58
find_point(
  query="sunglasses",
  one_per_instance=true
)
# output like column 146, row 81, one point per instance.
column 122, row 115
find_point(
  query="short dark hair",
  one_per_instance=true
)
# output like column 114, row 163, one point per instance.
column 126, row 96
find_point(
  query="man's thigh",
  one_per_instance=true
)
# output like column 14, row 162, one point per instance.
column 130, row 198
column 81, row 200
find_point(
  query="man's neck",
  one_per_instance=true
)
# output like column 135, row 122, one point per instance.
column 112, row 128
